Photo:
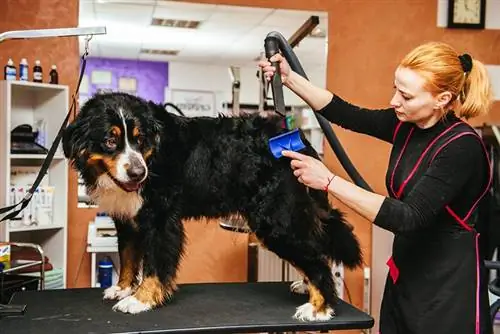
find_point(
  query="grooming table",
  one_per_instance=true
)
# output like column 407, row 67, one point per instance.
column 195, row 308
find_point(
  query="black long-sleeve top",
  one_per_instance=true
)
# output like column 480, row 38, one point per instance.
column 452, row 172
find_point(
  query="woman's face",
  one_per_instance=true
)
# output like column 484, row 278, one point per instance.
column 411, row 101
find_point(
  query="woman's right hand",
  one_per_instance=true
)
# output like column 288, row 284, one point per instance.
column 269, row 70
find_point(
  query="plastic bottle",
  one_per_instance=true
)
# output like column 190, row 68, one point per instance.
column 37, row 72
column 23, row 70
column 105, row 272
column 10, row 72
column 54, row 76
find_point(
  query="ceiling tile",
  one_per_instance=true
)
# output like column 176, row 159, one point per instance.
column 183, row 11
column 130, row 13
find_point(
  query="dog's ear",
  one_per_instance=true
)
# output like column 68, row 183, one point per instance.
column 70, row 143
column 67, row 140
column 155, row 121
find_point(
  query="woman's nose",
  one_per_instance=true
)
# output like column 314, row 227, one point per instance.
column 394, row 101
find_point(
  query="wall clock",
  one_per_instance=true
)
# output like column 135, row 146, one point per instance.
column 466, row 14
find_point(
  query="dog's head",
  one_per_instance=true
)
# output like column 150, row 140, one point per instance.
column 111, row 139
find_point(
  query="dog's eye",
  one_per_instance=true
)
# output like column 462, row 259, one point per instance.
column 111, row 143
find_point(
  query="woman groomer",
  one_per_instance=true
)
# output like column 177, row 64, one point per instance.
column 438, row 172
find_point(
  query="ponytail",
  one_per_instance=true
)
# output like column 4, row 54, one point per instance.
column 476, row 95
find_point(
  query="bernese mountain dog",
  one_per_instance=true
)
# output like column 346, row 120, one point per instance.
column 150, row 170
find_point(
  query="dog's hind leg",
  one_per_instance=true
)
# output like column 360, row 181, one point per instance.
column 162, row 243
column 130, row 260
column 317, row 271
column 321, row 289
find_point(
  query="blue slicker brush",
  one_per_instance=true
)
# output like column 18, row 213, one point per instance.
column 289, row 141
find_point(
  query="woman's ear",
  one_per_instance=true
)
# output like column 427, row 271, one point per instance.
column 443, row 99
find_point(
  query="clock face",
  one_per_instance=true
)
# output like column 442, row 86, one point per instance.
column 467, row 11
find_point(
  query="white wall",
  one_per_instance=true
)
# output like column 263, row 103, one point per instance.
column 216, row 78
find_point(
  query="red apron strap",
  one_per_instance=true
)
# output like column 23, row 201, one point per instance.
column 396, row 130
column 393, row 270
column 407, row 140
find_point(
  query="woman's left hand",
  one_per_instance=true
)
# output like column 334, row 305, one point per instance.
column 309, row 171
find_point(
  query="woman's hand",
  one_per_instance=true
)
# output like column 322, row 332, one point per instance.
column 269, row 70
column 310, row 171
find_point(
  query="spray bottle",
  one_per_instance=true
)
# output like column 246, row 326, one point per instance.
column 10, row 72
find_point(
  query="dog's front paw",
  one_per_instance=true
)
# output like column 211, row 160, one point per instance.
column 299, row 287
column 131, row 305
column 307, row 312
column 115, row 292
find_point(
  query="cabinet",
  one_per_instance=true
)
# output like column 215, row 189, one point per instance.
column 44, row 220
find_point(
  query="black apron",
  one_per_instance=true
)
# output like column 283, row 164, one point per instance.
column 437, row 283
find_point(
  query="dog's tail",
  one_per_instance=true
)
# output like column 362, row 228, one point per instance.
column 343, row 243
column 338, row 237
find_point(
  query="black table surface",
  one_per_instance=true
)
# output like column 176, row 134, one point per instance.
column 195, row 308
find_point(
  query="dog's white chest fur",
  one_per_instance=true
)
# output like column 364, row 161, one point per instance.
column 115, row 201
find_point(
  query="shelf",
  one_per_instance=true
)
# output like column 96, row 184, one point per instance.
column 36, row 85
column 44, row 107
column 35, row 228
column 32, row 159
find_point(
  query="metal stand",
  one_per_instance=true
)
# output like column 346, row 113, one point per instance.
column 44, row 33
column 19, row 309
column 31, row 34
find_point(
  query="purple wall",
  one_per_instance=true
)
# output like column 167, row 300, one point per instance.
column 151, row 77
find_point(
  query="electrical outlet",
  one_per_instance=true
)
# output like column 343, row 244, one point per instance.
column 338, row 277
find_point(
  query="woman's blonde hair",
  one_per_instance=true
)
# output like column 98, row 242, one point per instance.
column 445, row 70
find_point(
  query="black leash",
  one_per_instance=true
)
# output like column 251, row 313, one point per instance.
column 50, row 155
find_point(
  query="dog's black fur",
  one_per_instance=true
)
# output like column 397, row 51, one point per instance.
column 201, row 167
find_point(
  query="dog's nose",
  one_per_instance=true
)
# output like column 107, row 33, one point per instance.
column 136, row 173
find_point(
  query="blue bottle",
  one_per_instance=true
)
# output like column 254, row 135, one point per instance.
column 23, row 70
column 105, row 272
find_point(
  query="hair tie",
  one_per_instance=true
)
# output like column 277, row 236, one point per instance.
column 466, row 62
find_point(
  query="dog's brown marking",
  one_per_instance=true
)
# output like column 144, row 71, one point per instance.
column 94, row 158
column 135, row 132
column 129, row 267
column 148, row 154
column 316, row 299
column 153, row 292
column 116, row 131
column 110, row 164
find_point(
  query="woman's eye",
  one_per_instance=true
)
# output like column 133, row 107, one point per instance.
column 111, row 143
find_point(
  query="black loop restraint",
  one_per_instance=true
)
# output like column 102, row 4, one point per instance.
column 46, row 163
column 466, row 61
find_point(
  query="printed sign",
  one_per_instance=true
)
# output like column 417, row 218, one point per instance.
column 194, row 103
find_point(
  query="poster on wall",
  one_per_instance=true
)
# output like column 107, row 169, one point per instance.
column 194, row 103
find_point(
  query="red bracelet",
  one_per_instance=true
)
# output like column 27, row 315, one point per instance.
column 329, row 181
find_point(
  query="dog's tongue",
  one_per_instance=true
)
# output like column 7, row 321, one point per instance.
column 131, row 187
